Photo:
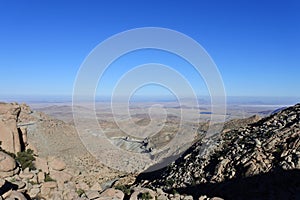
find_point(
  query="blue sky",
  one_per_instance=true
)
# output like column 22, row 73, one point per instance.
column 255, row 44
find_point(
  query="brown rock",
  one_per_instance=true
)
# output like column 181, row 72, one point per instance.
column 47, row 186
column 24, row 135
column 9, row 111
column 127, row 180
column 2, row 182
column 111, row 193
column 70, row 195
column 16, row 196
column 20, row 184
column 25, row 114
column 92, row 194
column 220, row 170
column 57, row 194
column 41, row 177
column 50, row 184
column 7, row 163
column 34, row 192
column 56, row 164
column 96, row 187
column 10, row 173
column 41, row 164
column 60, row 176
column 26, row 175
column 204, row 197
column 83, row 186
column 8, row 127
column 45, row 191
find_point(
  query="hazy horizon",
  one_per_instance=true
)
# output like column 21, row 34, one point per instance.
column 239, row 100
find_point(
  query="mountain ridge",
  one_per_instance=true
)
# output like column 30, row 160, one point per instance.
column 272, row 144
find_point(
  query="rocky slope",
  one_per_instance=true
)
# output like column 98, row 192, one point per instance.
column 63, row 165
column 263, row 156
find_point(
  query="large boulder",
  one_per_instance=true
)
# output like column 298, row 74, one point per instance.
column 56, row 163
column 25, row 114
column 15, row 195
column 60, row 176
column 9, row 133
column 47, row 187
column 41, row 163
column 8, row 166
column 111, row 193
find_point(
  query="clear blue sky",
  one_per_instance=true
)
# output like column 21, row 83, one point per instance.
column 255, row 44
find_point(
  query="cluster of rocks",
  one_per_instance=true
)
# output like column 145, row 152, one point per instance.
column 158, row 194
column 50, row 180
column 13, row 135
column 269, row 145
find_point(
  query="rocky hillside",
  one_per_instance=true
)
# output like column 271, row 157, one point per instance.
column 43, row 158
column 258, row 161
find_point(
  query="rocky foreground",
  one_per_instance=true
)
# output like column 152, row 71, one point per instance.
column 43, row 158
column 260, row 160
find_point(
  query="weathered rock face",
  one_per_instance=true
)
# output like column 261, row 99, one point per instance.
column 56, row 164
column 269, row 145
column 9, row 134
column 8, row 165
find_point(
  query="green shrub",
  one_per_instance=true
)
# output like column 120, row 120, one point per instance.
column 25, row 159
column 170, row 182
column 32, row 182
column 145, row 196
column 124, row 188
column 174, row 191
column 48, row 178
column 13, row 179
column 80, row 192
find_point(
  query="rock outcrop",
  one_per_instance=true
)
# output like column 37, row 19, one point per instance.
column 8, row 166
column 13, row 129
column 54, row 178
column 9, row 133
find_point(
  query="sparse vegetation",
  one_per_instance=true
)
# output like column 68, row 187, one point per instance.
column 124, row 188
column 80, row 192
column 170, row 182
column 13, row 179
column 175, row 191
column 25, row 159
column 48, row 178
column 32, row 182
column 145, row 196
